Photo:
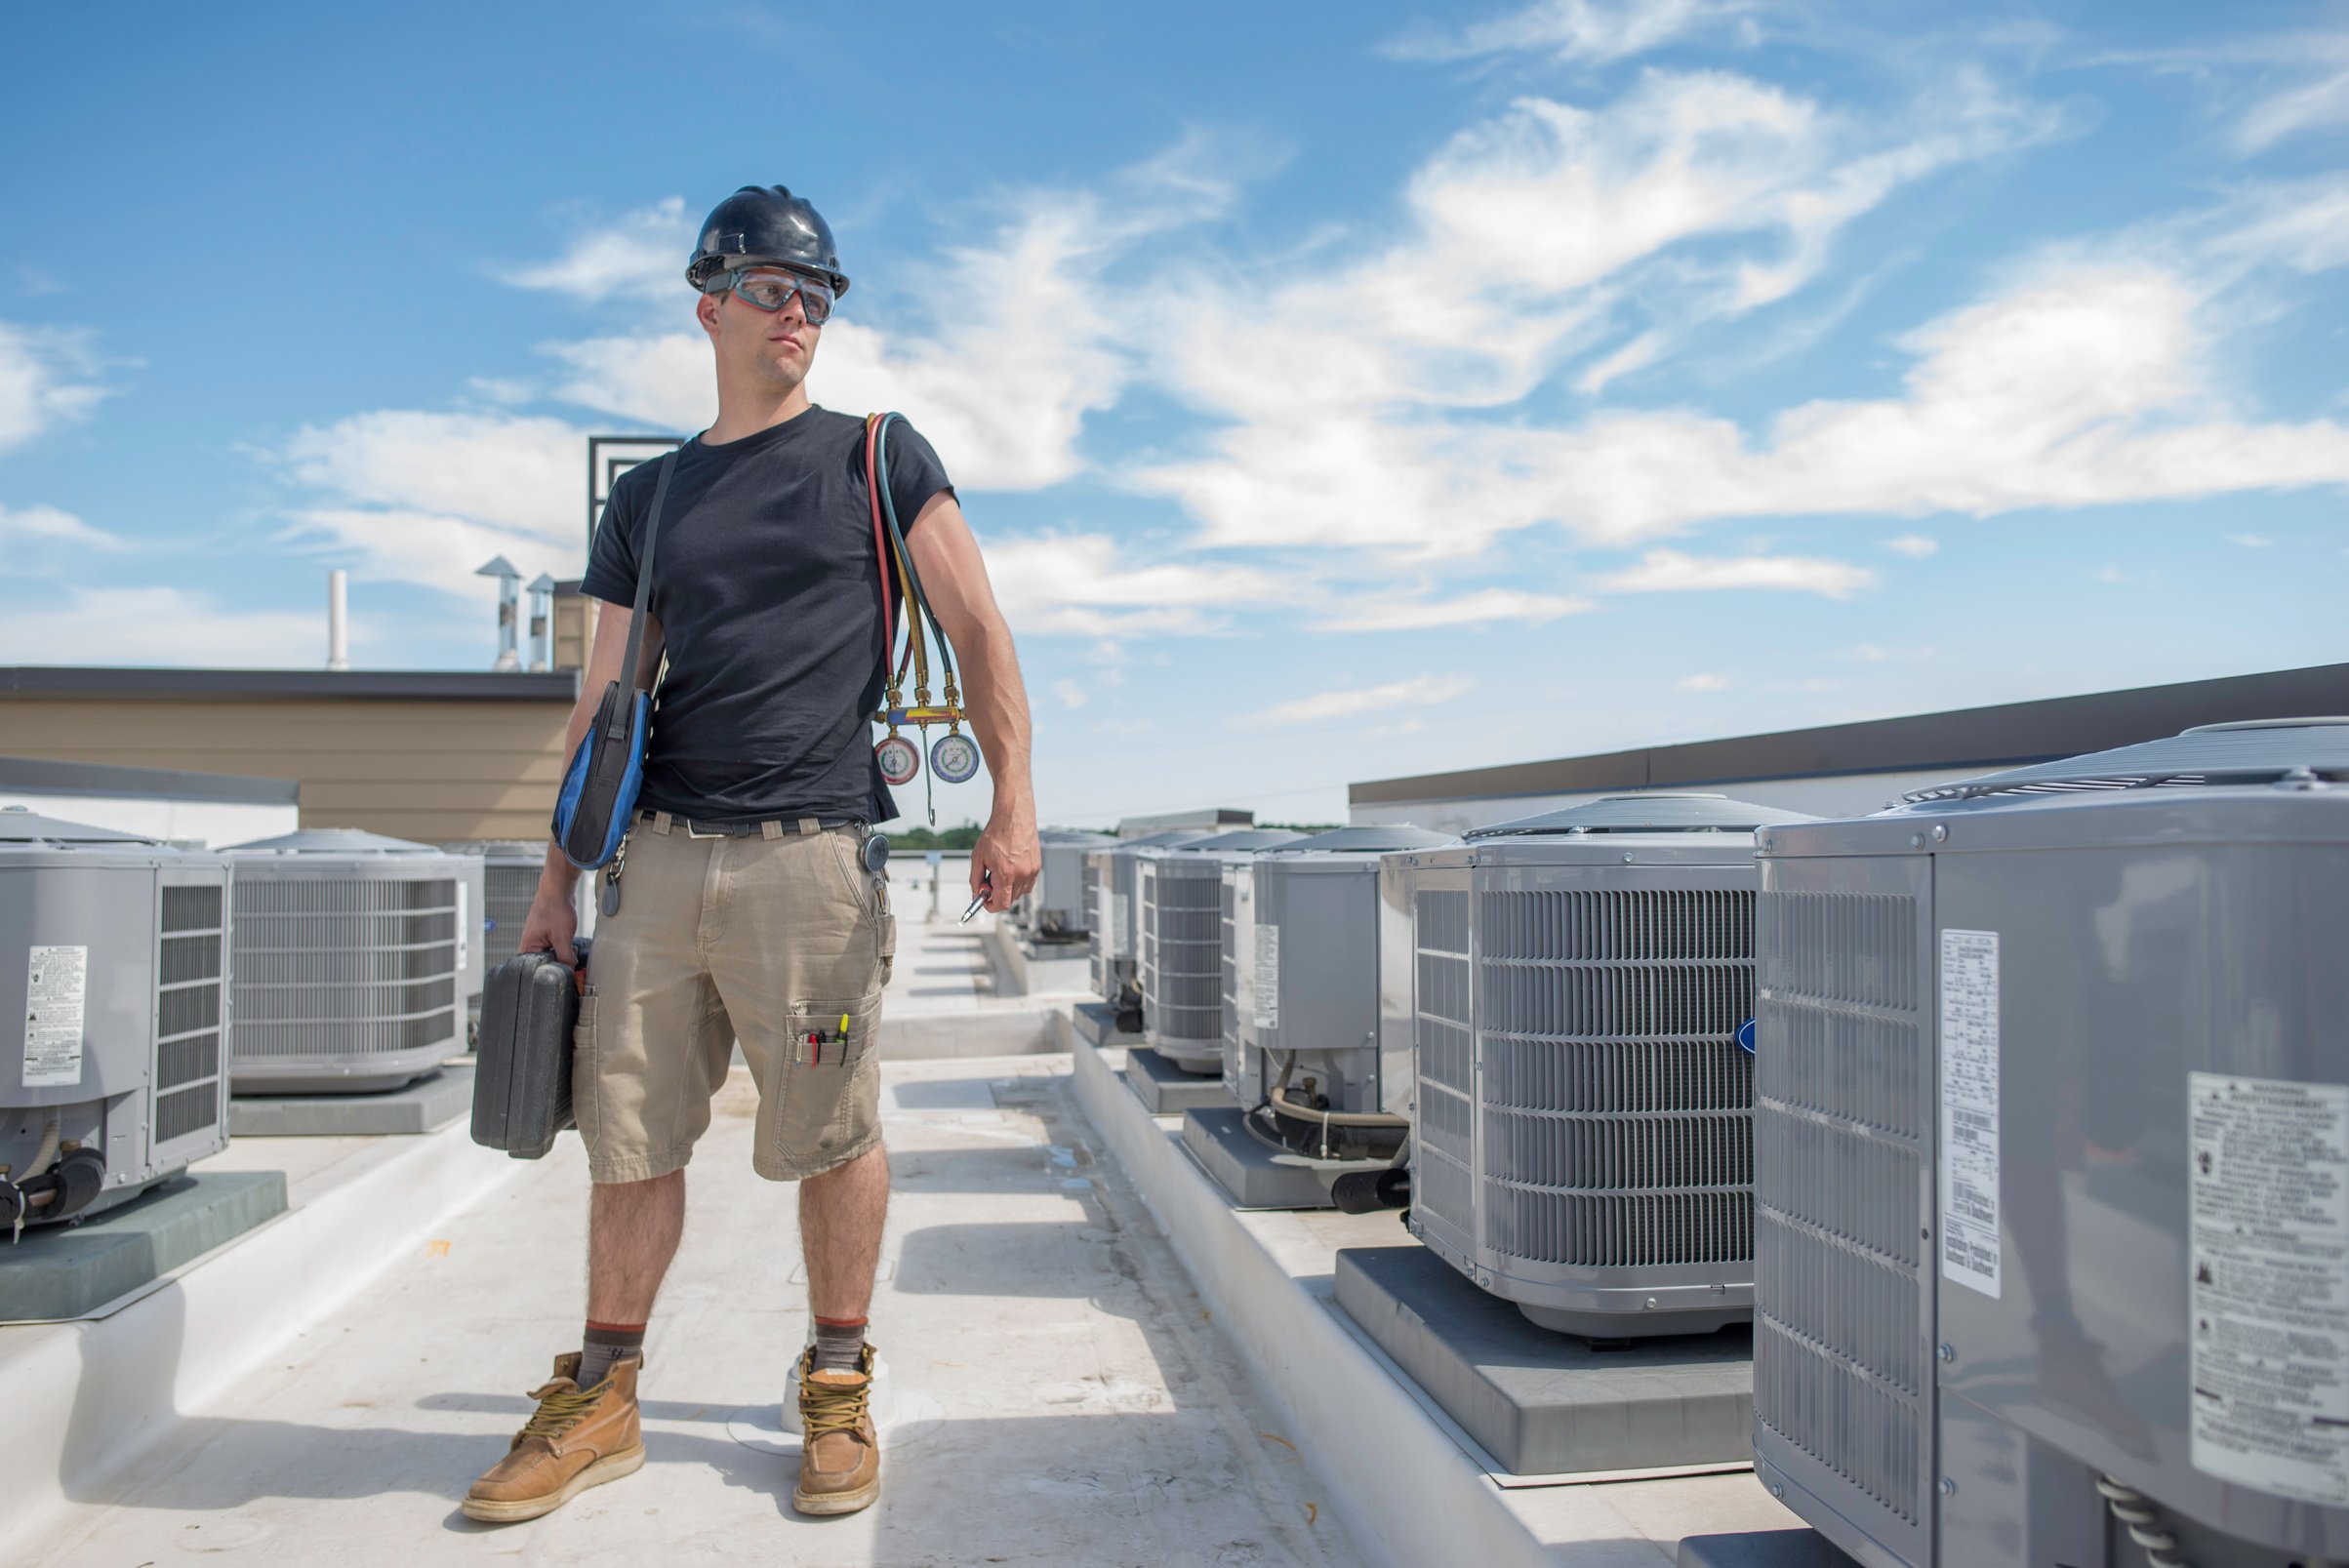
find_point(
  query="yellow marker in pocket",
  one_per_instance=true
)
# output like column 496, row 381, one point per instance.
column 843, row 1028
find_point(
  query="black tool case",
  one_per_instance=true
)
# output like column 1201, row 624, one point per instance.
column 522, row 1069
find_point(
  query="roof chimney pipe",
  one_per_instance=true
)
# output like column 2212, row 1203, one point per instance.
column 338, row 619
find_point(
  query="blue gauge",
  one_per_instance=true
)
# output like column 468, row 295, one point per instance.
column 954, row 757
column 898, row 760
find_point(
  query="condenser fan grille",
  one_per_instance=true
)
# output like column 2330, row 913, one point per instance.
column 1617, row 1125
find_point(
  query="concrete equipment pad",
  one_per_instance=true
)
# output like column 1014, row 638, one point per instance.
column 67, row 1270
column 1763, row 1548
column 425, row 1105
column 1166, row 1090
column 1545, row 1403
column 1255, row 1176
column 1097, row 1025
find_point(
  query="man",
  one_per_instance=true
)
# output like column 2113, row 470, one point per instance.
column 748, row 906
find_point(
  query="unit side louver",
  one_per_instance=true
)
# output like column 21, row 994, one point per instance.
column 1842, row 1104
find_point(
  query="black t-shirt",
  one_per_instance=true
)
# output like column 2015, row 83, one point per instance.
column 768, row 591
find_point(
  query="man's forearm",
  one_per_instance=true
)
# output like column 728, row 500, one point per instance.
column 998, row 709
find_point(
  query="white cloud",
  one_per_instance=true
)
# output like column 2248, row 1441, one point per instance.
column 1072, row 695
column 22, row 526
column 1001, row 389
column 1915, row 546
column 45, row 380
column 1702, row 683
column 1420, row 691
column 427, row 497
column 2316, row 98
column 1529, row 236
column 45, row 542
column 1672, row 572
column 1021, row 351
column 157, row 625
column 641, row 256
column 2249, row 542
column 1483, row 607
column 1078, row 583
column 1592, row 30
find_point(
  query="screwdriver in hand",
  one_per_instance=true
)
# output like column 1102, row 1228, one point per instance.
column 986, row 885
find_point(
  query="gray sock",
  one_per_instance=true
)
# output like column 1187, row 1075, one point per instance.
column 840, row 1347
column 605, row 1343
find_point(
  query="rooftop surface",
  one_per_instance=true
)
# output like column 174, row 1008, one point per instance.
column 1060, row 1386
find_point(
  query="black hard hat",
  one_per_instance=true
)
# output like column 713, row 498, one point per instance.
column 765, row 224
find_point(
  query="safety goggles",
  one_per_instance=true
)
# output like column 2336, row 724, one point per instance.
column 770, row 290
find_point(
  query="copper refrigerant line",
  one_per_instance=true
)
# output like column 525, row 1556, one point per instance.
column 953, row 755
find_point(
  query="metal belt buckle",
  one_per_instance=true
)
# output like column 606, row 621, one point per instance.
column 693, row 832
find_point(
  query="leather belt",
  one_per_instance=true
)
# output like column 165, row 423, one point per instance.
column 774, row 827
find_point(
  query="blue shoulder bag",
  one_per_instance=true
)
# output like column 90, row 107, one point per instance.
column 598, row 799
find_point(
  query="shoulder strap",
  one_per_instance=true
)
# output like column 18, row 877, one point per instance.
column 645, row 575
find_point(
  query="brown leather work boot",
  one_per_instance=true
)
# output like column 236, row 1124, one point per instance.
column 840, row 1453
column 577, row 1438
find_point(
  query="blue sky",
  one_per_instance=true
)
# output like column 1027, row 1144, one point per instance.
column 1341, row 390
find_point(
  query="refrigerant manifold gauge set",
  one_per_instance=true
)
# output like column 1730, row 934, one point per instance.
column 953, row 756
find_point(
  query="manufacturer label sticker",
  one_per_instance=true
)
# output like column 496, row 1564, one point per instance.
column 1267, row 977
column 2268, row 1296
column 58, row 983
column 1969, row 1109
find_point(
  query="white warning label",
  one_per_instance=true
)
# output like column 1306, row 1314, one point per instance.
column 1267, row 977
column 1969, row 1109
column 2269, row 1296
column 57, row 984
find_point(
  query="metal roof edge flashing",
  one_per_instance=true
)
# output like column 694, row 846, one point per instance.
column 109, row 681
column 1957, row 741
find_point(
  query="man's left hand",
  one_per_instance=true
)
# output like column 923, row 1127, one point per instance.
column 1009, row 850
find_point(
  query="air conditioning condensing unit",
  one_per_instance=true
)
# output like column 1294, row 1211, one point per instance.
column 1179, row 921
column 2052, row 1161
column 1301, row 936
column 354, row 956
column 1057, row 908
column 1582, row 1142
column 1110, row 885
column 113, row 954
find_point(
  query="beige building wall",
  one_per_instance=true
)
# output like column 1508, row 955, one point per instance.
column 431, row 769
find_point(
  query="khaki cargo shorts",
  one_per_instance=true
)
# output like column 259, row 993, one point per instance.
column 784, row 942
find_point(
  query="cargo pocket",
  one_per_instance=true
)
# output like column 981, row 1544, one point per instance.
column 583, row 1067
column 830, row 1102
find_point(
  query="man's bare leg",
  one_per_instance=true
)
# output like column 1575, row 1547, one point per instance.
column 840, row 1218
column 632, row 1232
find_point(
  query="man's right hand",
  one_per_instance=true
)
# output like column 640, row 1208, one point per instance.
column 550, row 926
